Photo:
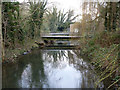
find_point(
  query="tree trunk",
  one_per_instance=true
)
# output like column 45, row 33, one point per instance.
column 0, row 47
column 1, row 39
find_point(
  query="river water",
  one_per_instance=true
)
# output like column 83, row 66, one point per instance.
column 50, row 69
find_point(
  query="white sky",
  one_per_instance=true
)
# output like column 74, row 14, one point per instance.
column 68, row 4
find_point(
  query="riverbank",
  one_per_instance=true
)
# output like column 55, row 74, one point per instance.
column 20, row 49
column 103, row 51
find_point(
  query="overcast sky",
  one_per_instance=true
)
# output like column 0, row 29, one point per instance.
column 68, row 4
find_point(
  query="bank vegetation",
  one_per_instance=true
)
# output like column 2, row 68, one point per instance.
column 22, row 24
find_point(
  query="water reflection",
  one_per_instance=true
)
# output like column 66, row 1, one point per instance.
column 49, row 69
column 66, row 70
column 27, row 73
column 25, row 80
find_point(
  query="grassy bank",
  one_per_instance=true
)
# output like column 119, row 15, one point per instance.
column 20, row 49
column 103, row 51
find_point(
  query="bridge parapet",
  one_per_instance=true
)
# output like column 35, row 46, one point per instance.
column 60, row 34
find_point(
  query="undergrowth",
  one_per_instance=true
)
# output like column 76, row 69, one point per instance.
column 19, row 49
column 103, row 51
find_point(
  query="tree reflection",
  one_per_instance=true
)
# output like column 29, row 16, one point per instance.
column 37, row 69
column 14, row 77
column 43, row 67
column 55, row 57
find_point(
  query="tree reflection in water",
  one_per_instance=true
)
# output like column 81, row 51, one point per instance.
column 58, row 60
column 49, row 69
column 27, row 72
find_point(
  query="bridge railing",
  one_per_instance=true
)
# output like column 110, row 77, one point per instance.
column 60, row 34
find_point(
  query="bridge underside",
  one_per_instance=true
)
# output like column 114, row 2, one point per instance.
column 60, row 47
column 63, row 47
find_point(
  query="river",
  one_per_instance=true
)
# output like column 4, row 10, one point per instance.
column 62, row 68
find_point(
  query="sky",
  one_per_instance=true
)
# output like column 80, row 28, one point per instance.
column 68, row 4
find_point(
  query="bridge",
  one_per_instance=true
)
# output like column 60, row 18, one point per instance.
column 60, row 40
column 60, row 36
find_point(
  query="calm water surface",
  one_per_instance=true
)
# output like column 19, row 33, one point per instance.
column 50, row 69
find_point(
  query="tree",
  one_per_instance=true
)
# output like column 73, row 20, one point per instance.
column 112, row 10
column 17, row 28
column 10, row 24
column 105, row 16
column 1, row 47
column 37, row 10
column 57, row 21
column 1, row 38
column 64, row 20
